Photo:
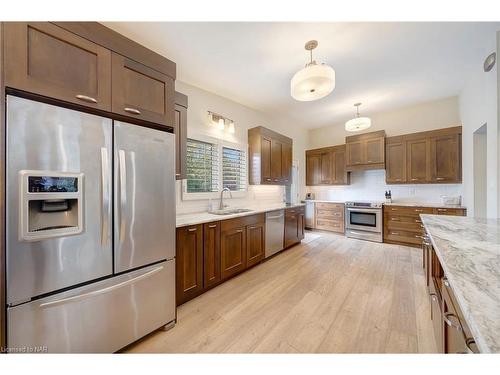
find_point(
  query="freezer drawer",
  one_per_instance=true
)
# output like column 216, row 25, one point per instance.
column 144, row 196
column 99, row 318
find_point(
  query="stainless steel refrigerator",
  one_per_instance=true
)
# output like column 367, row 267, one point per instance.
column 90, row 229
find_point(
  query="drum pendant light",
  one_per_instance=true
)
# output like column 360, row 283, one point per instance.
column 358, row 123
column 313, row 82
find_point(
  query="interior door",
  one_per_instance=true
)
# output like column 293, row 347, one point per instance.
column 144, row 198
column 56, row 139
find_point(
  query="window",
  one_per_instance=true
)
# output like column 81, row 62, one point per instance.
column 212, row 165
column 202, row 167
column 234, row 168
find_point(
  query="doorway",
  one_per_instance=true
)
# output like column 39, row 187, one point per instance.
column 480, row 170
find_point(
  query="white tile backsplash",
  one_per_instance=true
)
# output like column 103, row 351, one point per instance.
column 255, row 195
column 370, row 185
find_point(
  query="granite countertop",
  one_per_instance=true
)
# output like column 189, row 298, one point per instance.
column 469, row 252
column 183, row 220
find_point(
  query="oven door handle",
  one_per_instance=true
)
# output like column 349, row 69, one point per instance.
column 365, row 210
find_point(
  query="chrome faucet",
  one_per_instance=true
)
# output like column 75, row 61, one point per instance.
column 222, row 205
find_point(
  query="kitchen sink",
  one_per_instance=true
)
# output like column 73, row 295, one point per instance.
column 230, row 211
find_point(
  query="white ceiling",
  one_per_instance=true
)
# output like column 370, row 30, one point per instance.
column 383, row 65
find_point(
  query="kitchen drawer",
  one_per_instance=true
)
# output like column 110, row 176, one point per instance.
column 331, row 206
column 406, row 210
column 242, row 221
column 408, row 219
column 329, row 214
column 334, row 225
column 449, row 211
column 294, row 211
column 403, row 236
column 406, row 226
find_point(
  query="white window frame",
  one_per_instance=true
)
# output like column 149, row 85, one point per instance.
column 214, row 195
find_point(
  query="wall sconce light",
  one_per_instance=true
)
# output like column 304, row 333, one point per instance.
column 222, row 123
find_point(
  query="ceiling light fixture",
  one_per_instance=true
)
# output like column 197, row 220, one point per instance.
column 313, row 82
column 358, row 123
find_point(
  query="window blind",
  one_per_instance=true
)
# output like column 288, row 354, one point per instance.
column 234, row 168
column 202, row 161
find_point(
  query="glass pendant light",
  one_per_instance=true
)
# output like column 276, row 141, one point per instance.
column 358, row 123
column 313, row 82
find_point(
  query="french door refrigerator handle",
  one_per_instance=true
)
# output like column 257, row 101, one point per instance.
column 103, row 290
column 123, row 192
column 105, row 196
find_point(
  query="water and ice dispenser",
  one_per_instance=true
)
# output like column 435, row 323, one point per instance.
column 51, row 204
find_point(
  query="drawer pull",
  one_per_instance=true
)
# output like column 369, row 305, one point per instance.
column 417, row 236
column 442, row 209
column 213, row 226
column 446, row 319
column 418, row 221
column 395, row 233
column 439, row 178
column 395, row 219
column 239, row 230
column 192, row 229
column 446, row 283
column 268, row 179
column 414, row 179
column 434, row 297
column 86, row 98
column 132, row 110
column 418, row 210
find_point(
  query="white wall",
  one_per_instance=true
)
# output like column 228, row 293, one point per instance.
column 416, row 118
column 478, row 106
column 201, row 101
column 370, row 185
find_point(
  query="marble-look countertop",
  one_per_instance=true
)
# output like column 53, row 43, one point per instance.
column 183, row 220
column 469, row 252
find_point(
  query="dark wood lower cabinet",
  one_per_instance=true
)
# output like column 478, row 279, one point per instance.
column 255, row 243
column 294, row 225
column 233, row 251
column 211, row 254
column 451, row 332
column 189, row 263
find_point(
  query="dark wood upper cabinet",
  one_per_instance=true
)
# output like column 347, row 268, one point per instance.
column 45, row 59
column 180, row 131
column 270, row 157
column 142, row 92
column 365, row 151
column 429, row 157
column 255, row 243
column 326, row 166
column 189, row 262
column 417, row 160
column 211, row 254
column 313, row 169
column 395, row 160
column 276, row 160
column 445, row 158
column 286, row 163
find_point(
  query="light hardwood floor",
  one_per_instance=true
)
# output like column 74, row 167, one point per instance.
column 329, row 294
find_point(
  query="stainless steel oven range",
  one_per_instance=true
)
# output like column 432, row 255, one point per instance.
column 364, row 220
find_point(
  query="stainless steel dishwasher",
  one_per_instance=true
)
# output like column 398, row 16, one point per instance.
column 275, row 231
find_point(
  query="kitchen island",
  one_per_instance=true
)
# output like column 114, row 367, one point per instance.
column 468, row 250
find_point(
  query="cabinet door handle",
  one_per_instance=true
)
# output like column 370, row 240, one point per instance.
column 132, row 110
column 192, row 230
column 239, row 230
column 446, row 319
column 177, row 174
column 86, row 98
column 212, row 226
